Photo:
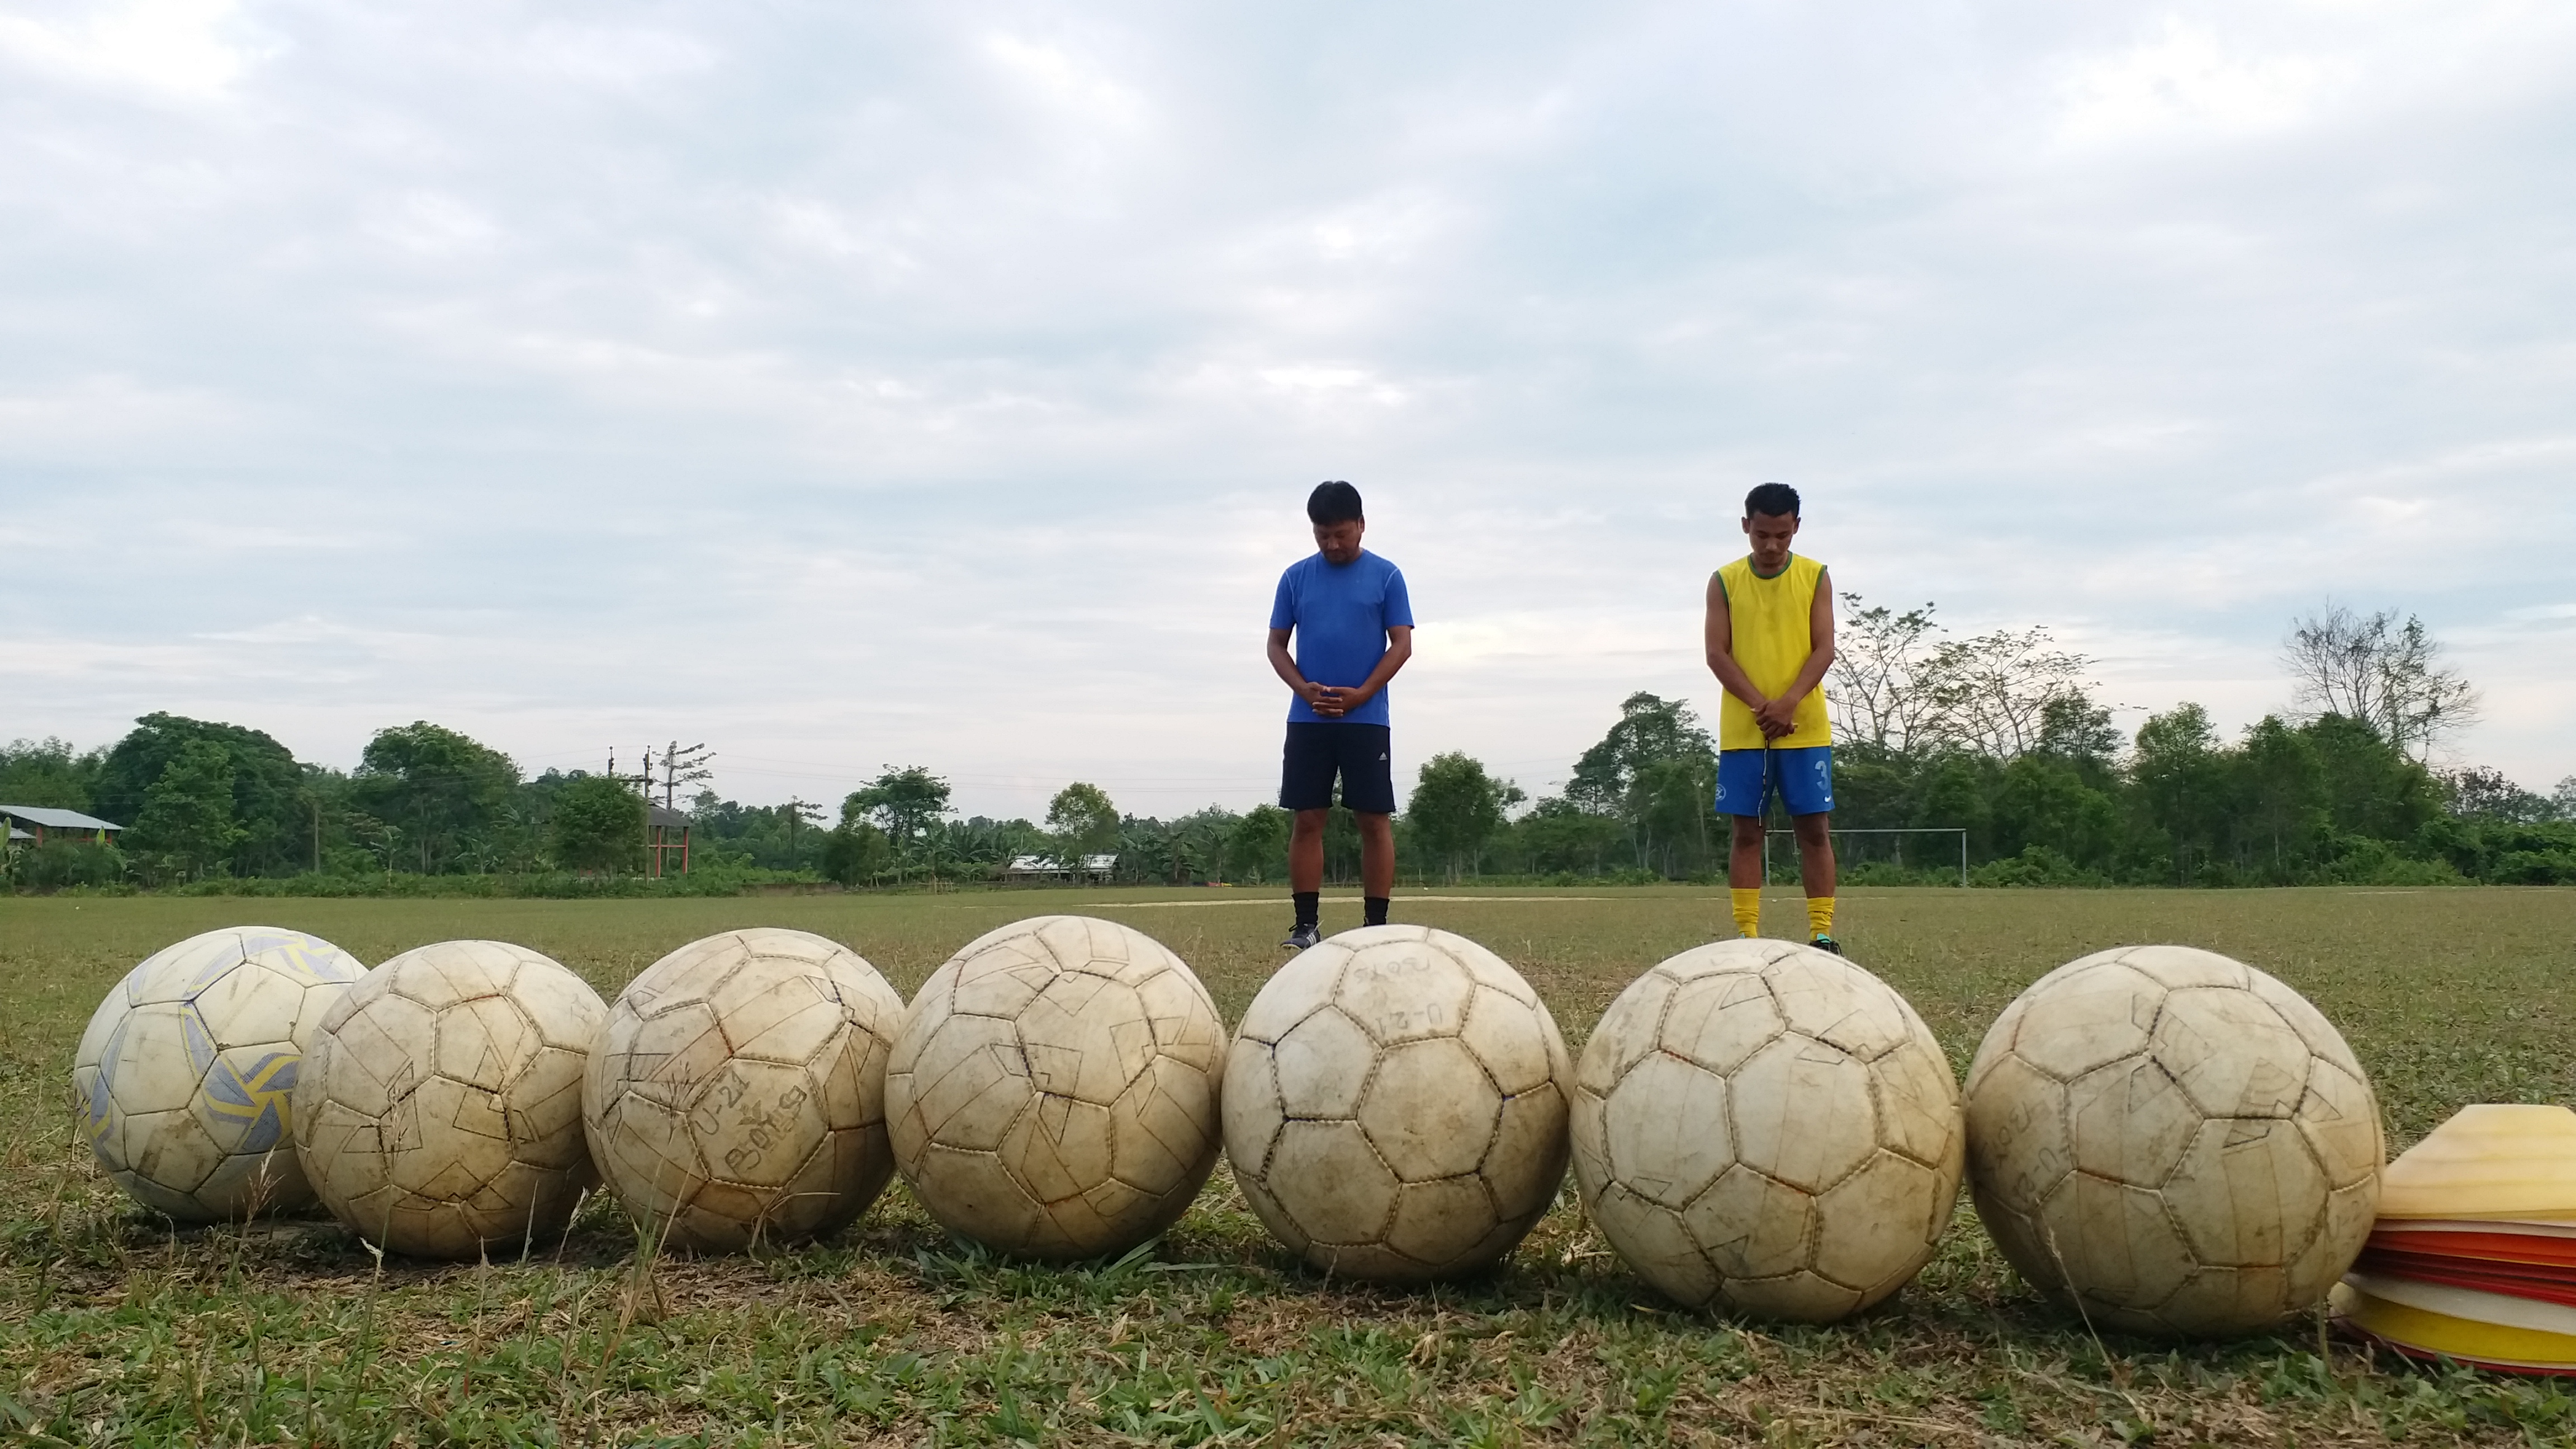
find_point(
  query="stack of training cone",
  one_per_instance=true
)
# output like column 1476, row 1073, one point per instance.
column 2474, row 1254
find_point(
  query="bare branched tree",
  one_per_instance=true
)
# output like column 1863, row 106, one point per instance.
column 2385, row 674
column 1880, row 657
column 1899, row 687
column 1994, row 691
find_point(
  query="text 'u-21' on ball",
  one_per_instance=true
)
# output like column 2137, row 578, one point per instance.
column 439, row 1114
column 187, row 1071
column 2173, row 1141
column 737, row 1097
column 1052, row 1092
column 1767, row 1129
column 1395, row 1105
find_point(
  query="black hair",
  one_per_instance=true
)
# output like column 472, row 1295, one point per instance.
column 1334, row 502
column 1777, row 499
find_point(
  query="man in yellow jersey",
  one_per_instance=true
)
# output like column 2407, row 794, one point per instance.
column 1770, row 641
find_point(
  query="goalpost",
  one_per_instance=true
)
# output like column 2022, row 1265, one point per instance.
column 1960, row 831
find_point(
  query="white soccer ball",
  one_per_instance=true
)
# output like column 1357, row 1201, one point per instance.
column 1053, row 1089
column 439, row 1114
column 2172, row 1141
column 737, row 1096
column 1766, row 1128
column 1395, row 1105
column 186, row 1071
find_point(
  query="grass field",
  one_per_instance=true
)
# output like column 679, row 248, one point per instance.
column 113, row 1329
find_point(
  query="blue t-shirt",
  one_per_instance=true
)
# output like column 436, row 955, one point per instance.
column 1341, row 613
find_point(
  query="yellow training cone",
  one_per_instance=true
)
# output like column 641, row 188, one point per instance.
column 2487, row 1329
column 2491, row 1162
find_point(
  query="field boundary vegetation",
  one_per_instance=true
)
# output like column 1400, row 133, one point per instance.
column 2001, row 735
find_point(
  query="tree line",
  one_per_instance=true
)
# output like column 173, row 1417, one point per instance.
column 2000, row 735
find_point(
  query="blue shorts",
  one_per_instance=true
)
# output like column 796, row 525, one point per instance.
column 1804, row 778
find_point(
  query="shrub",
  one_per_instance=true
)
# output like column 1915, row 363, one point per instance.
column 60, row 863
column 2037, row 865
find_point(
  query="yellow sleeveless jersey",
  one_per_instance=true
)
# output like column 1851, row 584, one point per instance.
column 1772, row 621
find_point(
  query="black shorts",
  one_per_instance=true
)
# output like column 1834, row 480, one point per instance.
column 1318, row 752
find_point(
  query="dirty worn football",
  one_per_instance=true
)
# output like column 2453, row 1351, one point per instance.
column 1767, row 1129
column 186, row 1075
column 1052, row 1091
column 1395, row 1105
column 2172, row 1142
column 439, row 1113
column 737, row 1096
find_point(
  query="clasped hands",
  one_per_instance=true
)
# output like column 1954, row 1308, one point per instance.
column 1332, row 701
column 1777, row 717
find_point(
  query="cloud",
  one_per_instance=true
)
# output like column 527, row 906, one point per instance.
column 188, row 49
column 902, row 383
column 2188, row 81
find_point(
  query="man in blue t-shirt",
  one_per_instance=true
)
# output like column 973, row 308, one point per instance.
column 1354, row 629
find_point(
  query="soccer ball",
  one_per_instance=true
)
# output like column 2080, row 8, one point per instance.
column 738, row 1094
column 1395, row 1105
column 185, row 1072
column 441, row 1111
column 2172, row 1141
column 1052, row 1092
column 1767, row 1128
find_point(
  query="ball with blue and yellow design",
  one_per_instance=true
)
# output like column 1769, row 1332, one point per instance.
column 185, row 1072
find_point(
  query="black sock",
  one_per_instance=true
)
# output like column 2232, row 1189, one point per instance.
column 1309, row 906
column 1376, row 910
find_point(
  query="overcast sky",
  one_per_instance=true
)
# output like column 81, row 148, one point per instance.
column 848, row 385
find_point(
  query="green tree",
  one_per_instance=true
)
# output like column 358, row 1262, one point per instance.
column 439, row 787
column 1670, row 809
column 49, row 773
column 1637, row 773
column 187, row 816
column 1081, row 823
column 2075, row 730
column 1200, row 838
column 1456, row 808
column 1176, row 853
column 1256, row 845
column 2043, row 798
column 2487, row 793
column 2279, row 801
column 1558, row 836
column 1650, row 728
column 2372, row 789
column 902, row 803
column 269, row 799
column 855, row 852
column 597, row 823
column 1956, row 789
column 2180, row 778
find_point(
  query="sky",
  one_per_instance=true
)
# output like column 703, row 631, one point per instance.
column 852, row 386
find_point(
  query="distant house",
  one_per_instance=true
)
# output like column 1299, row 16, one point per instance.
column 1039, row 869
column 36, row 824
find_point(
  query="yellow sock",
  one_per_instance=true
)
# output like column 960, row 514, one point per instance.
column 1748, row 911
column 1820, row 915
